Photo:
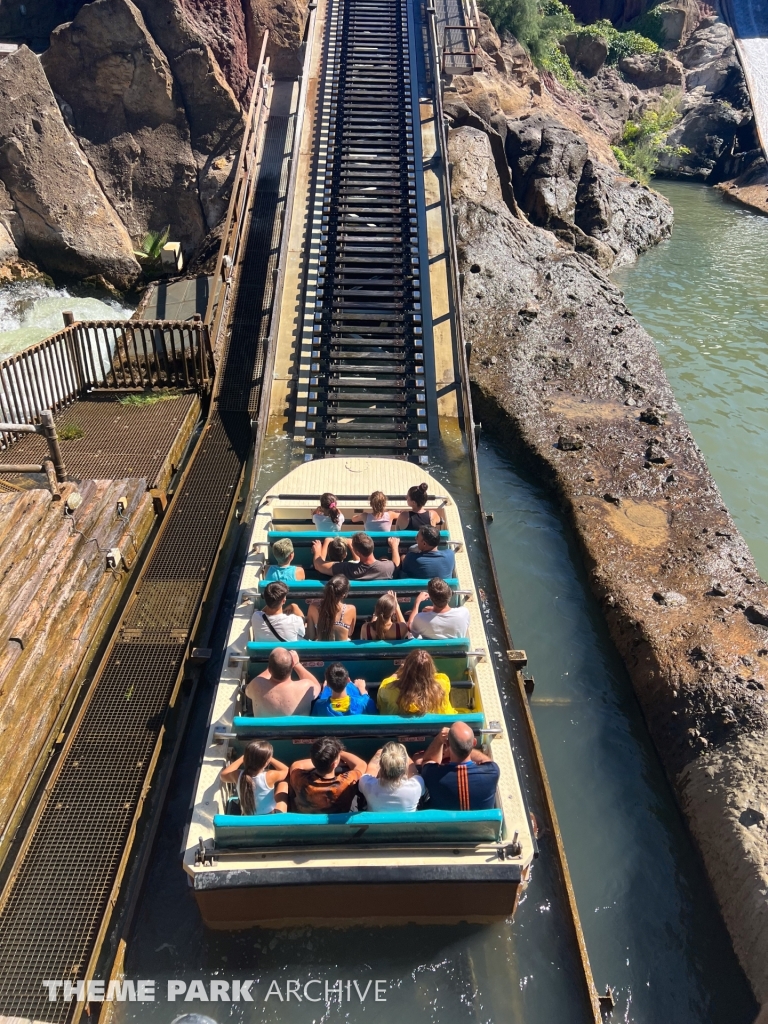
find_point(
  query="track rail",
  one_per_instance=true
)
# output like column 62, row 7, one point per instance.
column 362, row 381
column 56, row 905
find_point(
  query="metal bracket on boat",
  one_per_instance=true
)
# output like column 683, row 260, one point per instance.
column 222, row 735
column 518, row 658
column 492, row 729
column 511, row 849
column 237, row 659
column 480, row 653
column 203, row 854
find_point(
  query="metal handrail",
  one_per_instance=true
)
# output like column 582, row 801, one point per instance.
column 102, row 354
column 234, row 225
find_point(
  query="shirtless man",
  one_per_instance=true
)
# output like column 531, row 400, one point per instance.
column 276, row 694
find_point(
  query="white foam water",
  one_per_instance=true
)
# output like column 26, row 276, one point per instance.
column 31, row 311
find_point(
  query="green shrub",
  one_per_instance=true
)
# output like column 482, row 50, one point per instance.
column 551, row 58
column 627, row 44
column 649, row 25
column 520, row 17
column 644, row 141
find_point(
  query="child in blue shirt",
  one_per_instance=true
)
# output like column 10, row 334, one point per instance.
column 284, row 572
column 340, row 696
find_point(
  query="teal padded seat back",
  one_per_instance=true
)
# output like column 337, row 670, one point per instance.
column 363, row 586
column 232, row 831
column 372, row 660
column 306, row 726
column 364, row 648
column 302, row 541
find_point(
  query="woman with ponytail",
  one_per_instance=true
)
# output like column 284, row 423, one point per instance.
column 387, row 622
column 416, row 515
column 328, row 516
column 331, row 619
column 261, row 780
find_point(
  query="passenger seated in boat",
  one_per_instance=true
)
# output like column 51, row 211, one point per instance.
column 331, row 618
column 424, row 560
column 438, row 621
column 338, row 551
column 277, row 620
column 467, row 781
column 416, row 516
column 417, row 688
column 378, row 520
column 387, row 622
column 261, row 780
column 366, row 568
column 284, row 572
column 328, row 516
column 392, row 781
column 325, row 782
column 340, row 696
column 274, row 693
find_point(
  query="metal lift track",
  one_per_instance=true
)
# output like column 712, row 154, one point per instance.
column 362, row 383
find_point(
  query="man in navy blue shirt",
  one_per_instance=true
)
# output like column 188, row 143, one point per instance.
column 424, row 560
column 468, row 781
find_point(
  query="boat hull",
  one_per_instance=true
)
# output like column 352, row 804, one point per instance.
column 346, row 903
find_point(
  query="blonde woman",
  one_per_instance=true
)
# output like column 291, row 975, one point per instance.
column 417, row 688
column 387, row 622
column 392, row 781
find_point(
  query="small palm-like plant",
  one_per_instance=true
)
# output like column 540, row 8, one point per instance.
column 152, row 245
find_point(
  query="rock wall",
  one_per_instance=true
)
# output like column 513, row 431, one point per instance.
column 116, row 87
column 66, row 222
column 54, row 593
column 285, row 21
column 566, row 375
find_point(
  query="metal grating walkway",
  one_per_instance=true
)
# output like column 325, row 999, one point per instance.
column 117, row 440
column 59, row 892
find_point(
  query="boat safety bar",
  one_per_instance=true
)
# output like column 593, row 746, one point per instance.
column 493, row 729
column 507, row 849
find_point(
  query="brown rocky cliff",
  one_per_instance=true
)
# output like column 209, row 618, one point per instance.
column 128, row 116
column 572, row 382
column 68, row 225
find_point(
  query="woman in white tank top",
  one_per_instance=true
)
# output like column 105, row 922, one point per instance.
column 262, row 780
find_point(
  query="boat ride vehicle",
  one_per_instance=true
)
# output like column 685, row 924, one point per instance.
column 428, row 865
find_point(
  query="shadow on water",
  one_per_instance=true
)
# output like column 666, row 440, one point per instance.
column 651, row 926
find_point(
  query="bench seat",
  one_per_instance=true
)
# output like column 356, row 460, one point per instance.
column 260, row 649
column 310, row 727
column 232, row 831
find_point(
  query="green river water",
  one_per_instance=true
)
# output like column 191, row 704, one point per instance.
column 703, row 295
column 651, row 925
